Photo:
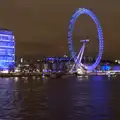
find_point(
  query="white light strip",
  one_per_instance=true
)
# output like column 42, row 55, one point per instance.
column 4, row 35
column 1, row 40
column 7, row 61
column 7, row 55
column 7, row 46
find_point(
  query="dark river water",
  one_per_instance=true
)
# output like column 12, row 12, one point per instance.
column 66, row 98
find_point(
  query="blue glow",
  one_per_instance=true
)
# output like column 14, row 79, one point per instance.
column 7, row 50
column 116, row 67
column 58, row 59
column 99, row 98
column 106, row 67
column 79, row 12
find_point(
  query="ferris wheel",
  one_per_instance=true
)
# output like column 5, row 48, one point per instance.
column 79, row 12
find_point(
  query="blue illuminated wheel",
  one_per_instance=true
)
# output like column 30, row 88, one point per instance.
column 79, row 12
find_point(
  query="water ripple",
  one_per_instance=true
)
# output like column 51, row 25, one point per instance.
column 60, row 99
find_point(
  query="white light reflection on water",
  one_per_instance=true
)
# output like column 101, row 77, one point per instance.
column 16, row 79
column 80, row 78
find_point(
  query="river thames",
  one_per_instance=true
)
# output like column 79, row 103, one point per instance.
column 66, row 98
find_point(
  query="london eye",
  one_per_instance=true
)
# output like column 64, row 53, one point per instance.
column 78, row 58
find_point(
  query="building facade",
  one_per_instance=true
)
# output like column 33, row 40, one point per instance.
column 7, row 49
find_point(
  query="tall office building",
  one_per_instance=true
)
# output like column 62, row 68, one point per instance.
column 7, row 49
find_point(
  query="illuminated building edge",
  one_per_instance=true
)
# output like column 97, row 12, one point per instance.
column 79, row 12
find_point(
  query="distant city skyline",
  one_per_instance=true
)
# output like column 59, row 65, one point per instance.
column 40, row 27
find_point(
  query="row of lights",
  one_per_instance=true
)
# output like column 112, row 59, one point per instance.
column 117, row 61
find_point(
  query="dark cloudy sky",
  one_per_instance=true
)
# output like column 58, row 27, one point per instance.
column 40, row 26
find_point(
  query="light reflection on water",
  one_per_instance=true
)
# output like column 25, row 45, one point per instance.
column 68, row 98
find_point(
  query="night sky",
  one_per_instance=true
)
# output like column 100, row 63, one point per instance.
column 40, row 26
